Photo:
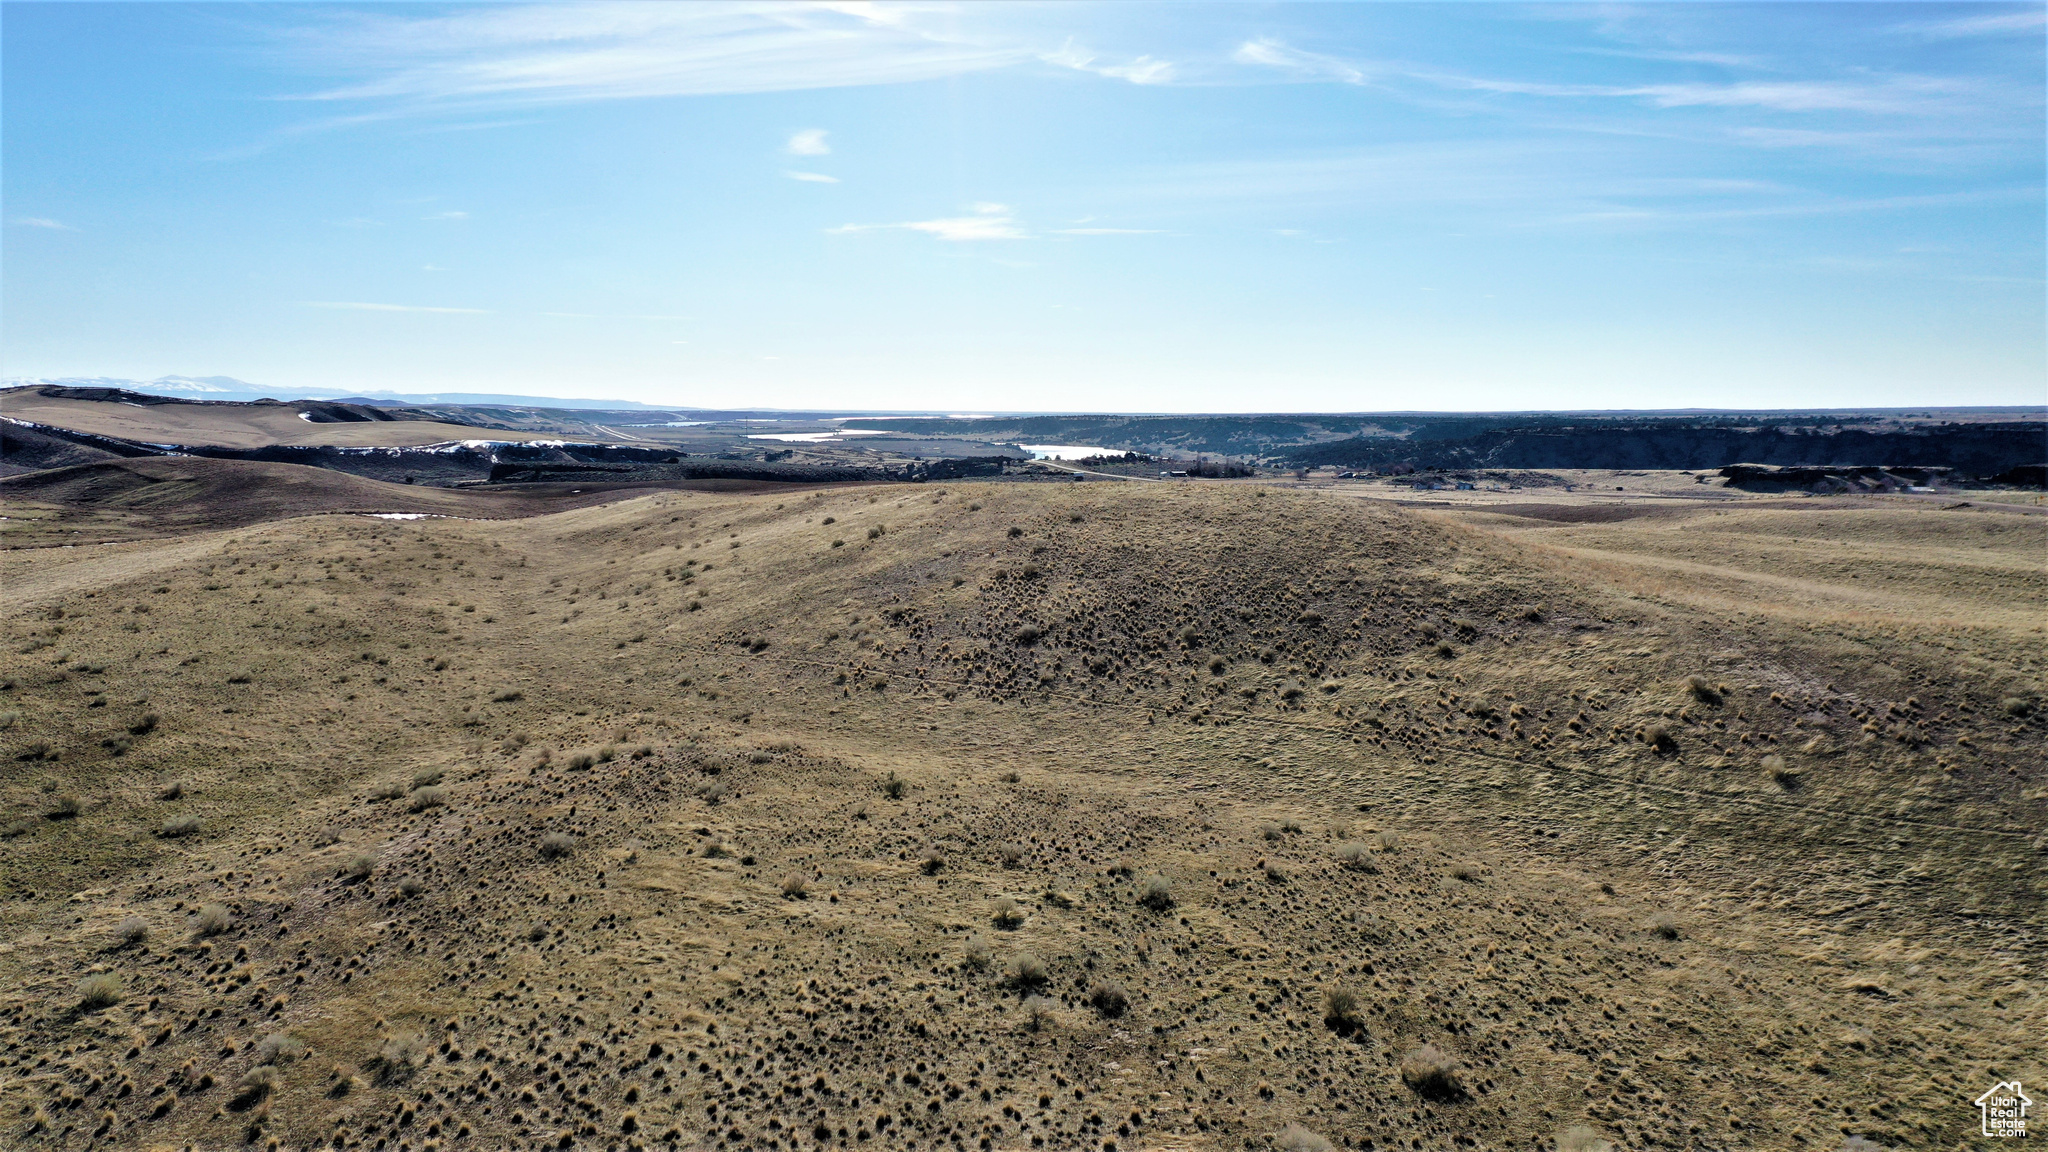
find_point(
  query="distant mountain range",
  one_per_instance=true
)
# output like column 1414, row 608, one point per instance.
column 229, row 388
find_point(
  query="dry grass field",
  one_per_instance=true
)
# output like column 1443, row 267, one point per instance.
column 1012, row 816
column 232, row 425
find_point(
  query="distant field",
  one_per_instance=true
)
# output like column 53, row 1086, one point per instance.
column 1154, row 815
column 233, row 426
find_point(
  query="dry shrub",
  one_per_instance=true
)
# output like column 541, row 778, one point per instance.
column 326, row 836
column 1109, row 998
column 1665, row 924
column 894, row 787
column 212, row 920
column 1342, row 1009
column 64, row 807
column 99, row 991
column 133, row 930
column 1387, row 841
column 932, row 861
column 359, row 866
column 255, row 1085
column 1295, row 1138
column 2016, row 706
column 580, row 762
column 1431, row 1072
column 1469, row 873
column 1579, row 1138
column 278, row 1048
column 1012, row 854
column 1703, row 689
column 426, row 776
column 1268, row 830
column 977, row 955
column 1038, row 1013
column 431, row 796
column 1008, row 913
column 171, row 791
column 389, row 791
column 179, row 826
column 1778, row 770
column 1155, row 893
column 1355, row 855
column 796, row 886
column 1026, row 970
column 556, row 845
column 400, row 1057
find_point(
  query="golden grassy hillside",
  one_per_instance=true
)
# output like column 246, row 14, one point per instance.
column 1015, row 816
column 232, row 425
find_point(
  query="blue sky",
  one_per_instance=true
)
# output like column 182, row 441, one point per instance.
column 1126, row 206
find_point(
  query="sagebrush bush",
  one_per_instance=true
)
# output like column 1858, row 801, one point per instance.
column 931, row 861
column 99, row 991
column 1038, row 1013
column 1155, row 893
column 1007, row 913
column 179, row 826
column 411, row 886
column 1702, row 689
column 796, row 886
column 1387, row 841
column 1012, row 854
column 1579, row 1138
column 391, row 790
column 400, row 1057
column 1665, row 924
column 212, row 920
column 1355, row 855
column 133, row 930
column 64, row 806
column 556, row 845
column 326, row 836
column 1026, row 970
column 1431, row 1072
column 977, row 954
column 432, row 796
column 894, row 787
column 278, row 1048
column 1342, row 1008
column 426, row 776
column 1295, row 1138
column 171, row 791
column 1109, row 998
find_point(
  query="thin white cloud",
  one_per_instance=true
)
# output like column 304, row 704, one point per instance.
column 1312, row 65
column 812, row 177
column 809, row 142
column 530, row 54
column 2027, row 21
column 990, row 222
column 360, row 306
column 456, row 215
column 43, row 222
column 1108, row 231
column 1143, row 70
column 1882, row 95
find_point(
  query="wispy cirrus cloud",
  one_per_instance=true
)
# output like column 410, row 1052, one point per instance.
column 1142, row 70
column 2015, row 22
column 363, row 306
column 812, row 177
column 44, row 222
column 989, row 222
column 533, row 54
column 1308, row 65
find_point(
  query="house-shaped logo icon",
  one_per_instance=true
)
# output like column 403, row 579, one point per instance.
column 2005, row 1110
